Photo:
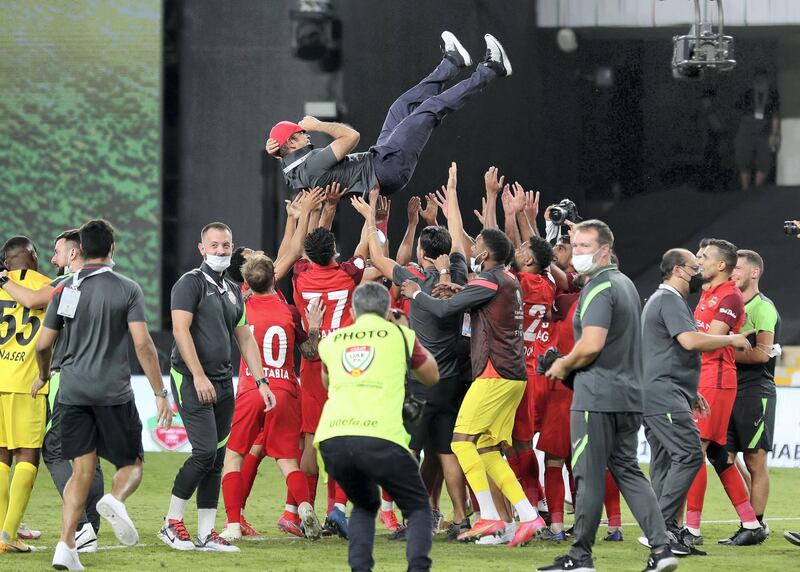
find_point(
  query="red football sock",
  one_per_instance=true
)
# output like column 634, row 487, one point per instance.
column 613, row 510
column 290, row 498
column 734, row 485
column 331, row 493
column 530, row 471
column 386, row 496
column 554, row 493
column 695, row 498
column 339, row 496
column 313, row 480
column 298, row 487
column 249, row 472
column 232, row 495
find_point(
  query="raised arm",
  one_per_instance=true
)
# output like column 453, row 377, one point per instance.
column 292, row 214
column 345, row 138
column 333, row 194
column 510, row 216
column 493, row 186
column 379, row 260
column 294, row 251
column 474, row 294
column 406, row 248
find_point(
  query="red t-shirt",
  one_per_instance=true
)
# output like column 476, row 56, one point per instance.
column 334, row 283
column 538, row 292
column 723, row 303
column 277, row 327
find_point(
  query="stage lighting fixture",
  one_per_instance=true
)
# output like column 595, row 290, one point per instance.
column 312, row 29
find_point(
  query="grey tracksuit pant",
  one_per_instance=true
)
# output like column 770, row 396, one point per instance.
column 609, row 439
column 676, row 456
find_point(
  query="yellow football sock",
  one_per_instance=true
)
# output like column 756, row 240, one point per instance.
column 470, row 461
column 5, row 476
column 502, row 475
column 19, row 495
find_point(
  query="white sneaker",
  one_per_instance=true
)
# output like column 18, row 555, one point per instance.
column 114, row 512
column 86, row 539
column 503, row 538
column 66, row 558
column 175, row 535
column 496, row 57
column 457, row 51
column 311, row 526
column 542, row 506
column 24, row 532
column 232, row 532
column 215, row 543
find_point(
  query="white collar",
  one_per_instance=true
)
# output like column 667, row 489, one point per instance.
column 670, row 288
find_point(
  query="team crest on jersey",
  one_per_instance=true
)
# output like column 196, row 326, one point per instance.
column 713, row 302
column 232, row 297
column 357, row 359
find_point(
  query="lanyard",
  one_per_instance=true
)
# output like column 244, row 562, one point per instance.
column 222, row 289
column 76, row 282
column 295, row 164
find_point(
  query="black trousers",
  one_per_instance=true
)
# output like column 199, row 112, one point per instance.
column 360, row 465
column 208, row 427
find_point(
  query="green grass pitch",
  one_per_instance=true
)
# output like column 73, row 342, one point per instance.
column 278, row 552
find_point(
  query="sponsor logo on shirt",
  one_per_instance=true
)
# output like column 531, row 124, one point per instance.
column 728, row 312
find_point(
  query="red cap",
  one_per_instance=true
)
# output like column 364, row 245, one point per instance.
column 283, row 130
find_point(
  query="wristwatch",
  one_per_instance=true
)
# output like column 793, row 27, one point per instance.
column 263, row 380
column 3, row 280
column 162, row 393
column 444, row 271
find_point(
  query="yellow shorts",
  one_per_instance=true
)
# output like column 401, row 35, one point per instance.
column 22, row 420
column 488, row 410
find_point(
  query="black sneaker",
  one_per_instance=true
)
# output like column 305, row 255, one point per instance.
column 676, row 545
column 793, row 537
column 457, row 528
column 454, row 51
column 567, row 563
column 663, row 561
column 690, row 539
column 399, row 533
column 496, row 57
column 745, row 537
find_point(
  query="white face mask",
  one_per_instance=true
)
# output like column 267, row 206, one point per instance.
column 218, row 263
column 584, row 263
column 476, row 262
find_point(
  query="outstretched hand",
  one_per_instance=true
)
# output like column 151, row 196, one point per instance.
column 363, row 208
column 312, row 199
column 333, row 194
column 492, row 182
column 431, row 209
column 531, row 207
column 414, row 207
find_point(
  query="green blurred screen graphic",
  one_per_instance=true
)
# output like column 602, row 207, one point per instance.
column 80, row 136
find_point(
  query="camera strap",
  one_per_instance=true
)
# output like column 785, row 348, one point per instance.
column 405, row 348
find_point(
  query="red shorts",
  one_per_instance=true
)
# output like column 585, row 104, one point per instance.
column 523, row 418
column 541, row 399
column 281, row 432
column 715, row 426
column 554, row 435
column 248, row 419
column 313, row 395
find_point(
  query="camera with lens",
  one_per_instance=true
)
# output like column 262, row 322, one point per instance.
column 790, row 228
column 545, row 362
column 413, row 408
column 565, row 210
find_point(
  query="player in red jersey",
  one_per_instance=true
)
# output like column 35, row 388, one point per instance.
column 277, row 328
column 320, row 276
column 720, row 311
column 532, row 259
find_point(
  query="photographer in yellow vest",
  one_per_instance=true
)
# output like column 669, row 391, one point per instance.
column 361, row 434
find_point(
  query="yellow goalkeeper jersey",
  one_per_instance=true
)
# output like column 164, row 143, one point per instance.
column 19, row 329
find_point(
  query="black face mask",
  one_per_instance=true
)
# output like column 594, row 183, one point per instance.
column 696, row 283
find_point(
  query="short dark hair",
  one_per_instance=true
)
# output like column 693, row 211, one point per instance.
column 259, row 273
column 498, row 245
column 703, row 243
column 672, row 258
column 727, row 252
column 214, row 225
column 753, row 259
column 320, row 246
column 371, row 298
column 14, row 245
column 604, row 234
column 97, row 237
column 435, row 240
column 71, row 235
column 542, row 252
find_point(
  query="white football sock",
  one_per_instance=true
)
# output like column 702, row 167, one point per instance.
column 176, row 508
column 487, row 509
column 206, row 517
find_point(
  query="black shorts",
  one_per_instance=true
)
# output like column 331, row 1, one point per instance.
column 752, row 423
column 114, row 431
